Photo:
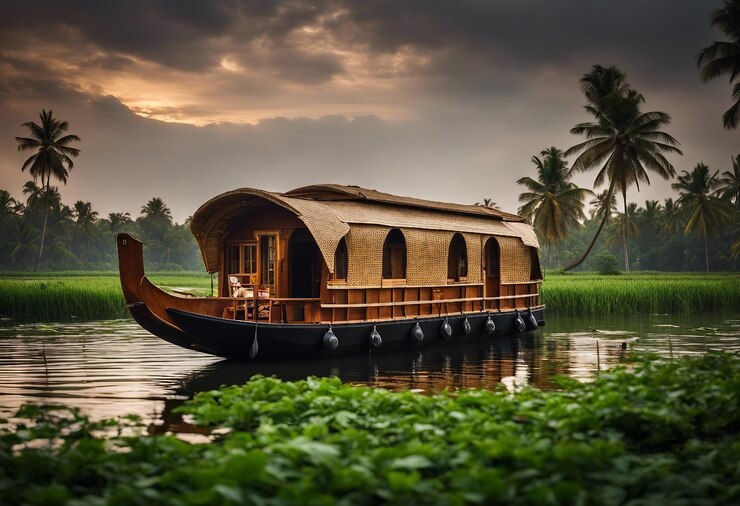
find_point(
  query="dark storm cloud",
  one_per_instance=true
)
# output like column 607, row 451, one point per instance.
column 192, row 35
column 481, row 85
column 107, row 62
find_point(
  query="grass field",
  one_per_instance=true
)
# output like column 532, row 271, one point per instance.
column 590, row 294
column 89, row 295
column 86, row 295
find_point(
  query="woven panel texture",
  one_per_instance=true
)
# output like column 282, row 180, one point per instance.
column 515, row 260
column 475, row 257
column 426, row 256
column 365, row 254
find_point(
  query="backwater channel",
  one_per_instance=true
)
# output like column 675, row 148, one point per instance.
column 112, row 368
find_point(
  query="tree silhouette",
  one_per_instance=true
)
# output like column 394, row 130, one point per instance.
column 53, row 157
column 623, row 141
column 707, row 213
column 723, row 57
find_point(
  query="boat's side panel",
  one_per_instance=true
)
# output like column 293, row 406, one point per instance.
column 235, row 339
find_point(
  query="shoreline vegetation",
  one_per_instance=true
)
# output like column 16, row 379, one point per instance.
column 64, row 296
column 653, row 432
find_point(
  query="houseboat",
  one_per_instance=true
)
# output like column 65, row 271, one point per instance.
column 330, row 270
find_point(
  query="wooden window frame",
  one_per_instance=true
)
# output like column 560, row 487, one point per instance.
column 278, row 258
column 242, row 273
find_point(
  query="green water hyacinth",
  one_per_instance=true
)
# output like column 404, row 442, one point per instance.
column 652, row 433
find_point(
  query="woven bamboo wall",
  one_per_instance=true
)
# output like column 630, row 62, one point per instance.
column 475, row 257
column 515, row 260
column 426, row 256
column 365, row 254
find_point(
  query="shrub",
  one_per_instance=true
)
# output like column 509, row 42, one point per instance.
column 606, row 263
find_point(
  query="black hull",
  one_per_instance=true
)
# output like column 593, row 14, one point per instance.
column 275, row 342
column 163, row 330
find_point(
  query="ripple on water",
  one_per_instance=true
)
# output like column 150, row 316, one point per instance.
column 112, row 368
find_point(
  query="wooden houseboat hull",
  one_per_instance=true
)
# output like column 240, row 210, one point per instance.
column 185, row 322
column 236, row 339
column 330, row 270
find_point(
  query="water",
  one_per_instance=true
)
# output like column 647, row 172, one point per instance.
column 112, row 368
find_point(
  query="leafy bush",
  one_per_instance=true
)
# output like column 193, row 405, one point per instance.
column 606, row 263
column 663, row 433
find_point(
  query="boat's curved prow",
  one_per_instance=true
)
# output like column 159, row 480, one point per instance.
column 139, row 302
column 130, row 266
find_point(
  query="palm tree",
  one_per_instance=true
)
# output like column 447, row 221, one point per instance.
column 8, row 206
column 599, row 205
column 625, row 142
column 723, row 57
column 671, row 222
column 156, row 218
column 34, row 194
column 650, row 216
column 85, row 219
column 487, row 203
column 729, row 184
column 52, row 157
column 624, row 225
column 117, row 220
column 552, row 202
column 22, row 243
column 61, row 215
column 707, row 214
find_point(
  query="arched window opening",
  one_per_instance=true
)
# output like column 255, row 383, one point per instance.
column 394, row 255
column 457, row 259
column 492, row 267
column 535, row 271
column 340, row 260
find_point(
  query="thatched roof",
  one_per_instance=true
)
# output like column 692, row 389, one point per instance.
column 337, row 192
column 329, row 210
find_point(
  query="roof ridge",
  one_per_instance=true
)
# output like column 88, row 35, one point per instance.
column 332, row 191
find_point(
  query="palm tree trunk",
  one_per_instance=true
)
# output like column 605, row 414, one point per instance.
column 591, row 245
column 43, row 230
column 624, row 233
column 706, row 250
column 52, row 248
column 607, row 212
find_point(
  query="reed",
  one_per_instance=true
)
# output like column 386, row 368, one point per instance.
column 65, row 296
column 587, row 294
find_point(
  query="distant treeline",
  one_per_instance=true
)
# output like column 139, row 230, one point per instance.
column 657, row 242
column 77, row 238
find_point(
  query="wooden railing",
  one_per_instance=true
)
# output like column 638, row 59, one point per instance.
column 350, row 303
column 273, row 309
column 368, row 303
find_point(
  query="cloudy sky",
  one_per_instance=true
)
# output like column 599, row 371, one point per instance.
column 439, row 99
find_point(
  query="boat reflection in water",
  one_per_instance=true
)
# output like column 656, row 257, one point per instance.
column 508, row 362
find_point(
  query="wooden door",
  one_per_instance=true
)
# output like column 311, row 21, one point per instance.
column 267, row 258
column 493, row 271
